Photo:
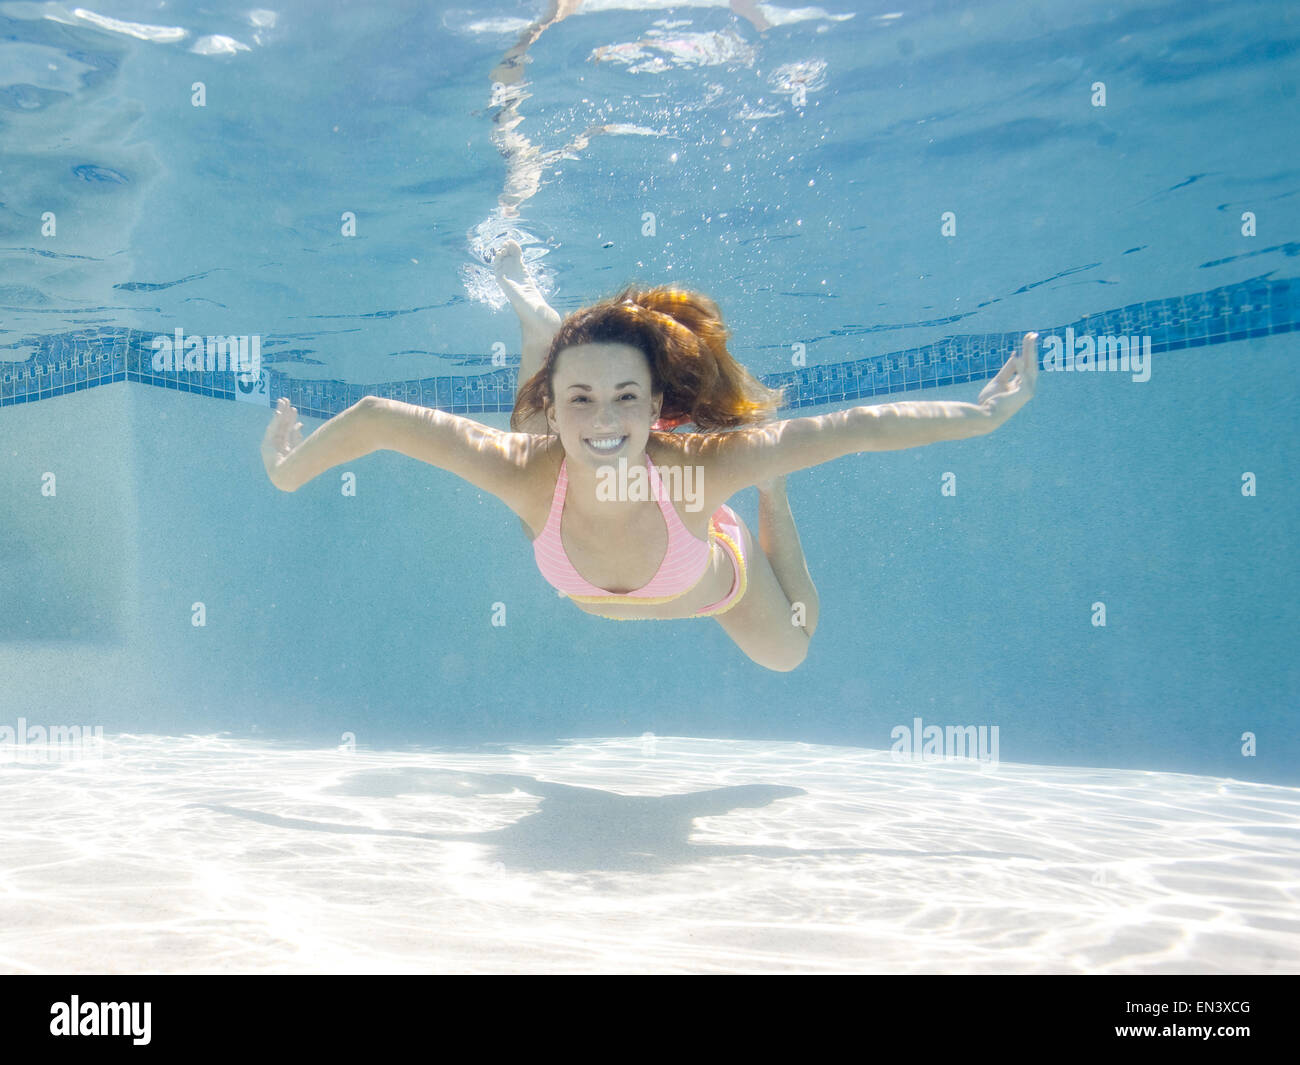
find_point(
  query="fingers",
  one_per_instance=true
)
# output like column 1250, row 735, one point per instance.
column 1025, row 363
column 1029, row 364
column 1029, row 355
column 1004, row 374
column 284, row 427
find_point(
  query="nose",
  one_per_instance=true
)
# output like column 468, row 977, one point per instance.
column 605, row 417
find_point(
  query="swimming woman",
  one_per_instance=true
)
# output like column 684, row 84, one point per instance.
column 599, row 391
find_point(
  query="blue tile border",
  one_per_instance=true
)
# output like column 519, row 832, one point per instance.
column 70, row 362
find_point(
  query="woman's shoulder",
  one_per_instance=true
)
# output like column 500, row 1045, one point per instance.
column 671, row 447
column 542, row 471
column 694, row 446
column 544, row 455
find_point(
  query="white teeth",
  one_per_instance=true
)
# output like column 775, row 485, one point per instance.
column 609, row 443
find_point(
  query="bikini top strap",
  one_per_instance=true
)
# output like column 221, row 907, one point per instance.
column 671, row 517
column 561, row 490
column 666, row 508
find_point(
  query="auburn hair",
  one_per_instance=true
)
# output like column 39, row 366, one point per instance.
column 684, row 340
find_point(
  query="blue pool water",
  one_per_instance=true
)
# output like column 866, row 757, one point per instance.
column 882, row 201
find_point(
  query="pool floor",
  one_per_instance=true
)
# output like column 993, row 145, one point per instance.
column 649, row 854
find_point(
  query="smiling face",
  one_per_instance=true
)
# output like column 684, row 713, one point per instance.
column 604, row 405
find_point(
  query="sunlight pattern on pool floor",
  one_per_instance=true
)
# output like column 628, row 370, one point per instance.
column 634, row 855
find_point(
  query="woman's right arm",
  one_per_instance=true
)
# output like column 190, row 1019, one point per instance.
column 487, row 458
column 292, row 461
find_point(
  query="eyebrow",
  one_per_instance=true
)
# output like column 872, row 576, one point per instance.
column 621, row 384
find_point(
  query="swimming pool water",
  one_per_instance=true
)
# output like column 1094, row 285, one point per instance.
column 881, row 202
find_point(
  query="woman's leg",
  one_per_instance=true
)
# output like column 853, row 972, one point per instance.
column 780, row 542
column 762, row 624
column 749, row 9
column 538, row 321
column 510, row 70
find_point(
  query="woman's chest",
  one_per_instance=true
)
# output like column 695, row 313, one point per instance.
column 624, row 555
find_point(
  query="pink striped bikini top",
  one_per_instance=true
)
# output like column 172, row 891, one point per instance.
column 684, row 564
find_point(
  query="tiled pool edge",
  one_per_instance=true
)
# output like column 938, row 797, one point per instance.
column 70, row 362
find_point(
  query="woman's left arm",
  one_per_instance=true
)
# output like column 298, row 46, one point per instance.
column 751, row 456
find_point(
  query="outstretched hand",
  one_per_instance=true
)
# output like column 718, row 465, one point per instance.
column 1015, row 383
column 282, row 436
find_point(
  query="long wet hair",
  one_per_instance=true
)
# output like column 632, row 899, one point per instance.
column 684, row 340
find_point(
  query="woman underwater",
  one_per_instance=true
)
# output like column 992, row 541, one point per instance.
column 595, row 392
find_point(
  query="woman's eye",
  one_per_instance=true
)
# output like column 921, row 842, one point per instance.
column 628, row 395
